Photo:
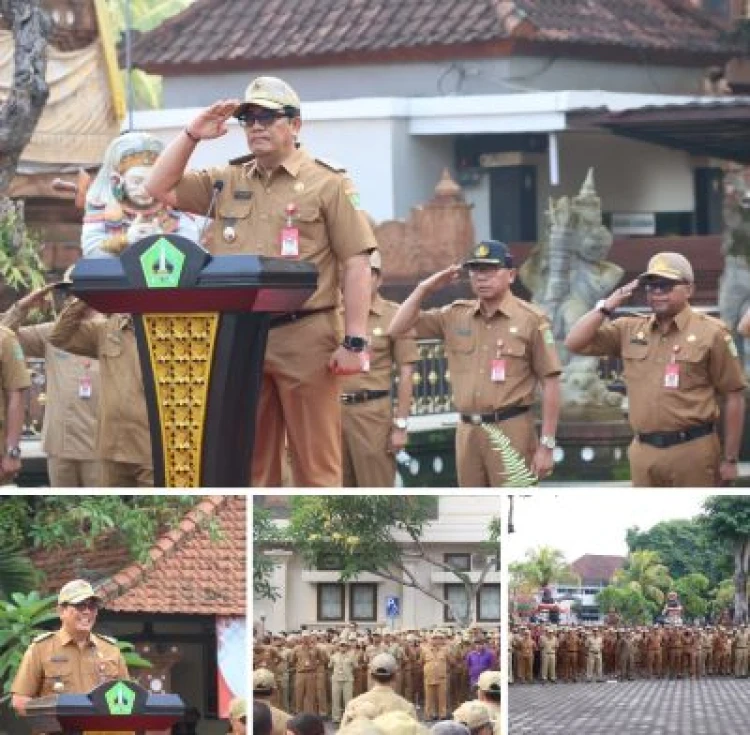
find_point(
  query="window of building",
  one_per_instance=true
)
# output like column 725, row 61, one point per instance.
column 488, row 603
column 462, row 562
column 330, row 601
column 329, row 562
column 363, row 602
column 456, row 595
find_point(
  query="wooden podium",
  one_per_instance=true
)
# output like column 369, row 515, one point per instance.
column 201, row 324
column 117, row 706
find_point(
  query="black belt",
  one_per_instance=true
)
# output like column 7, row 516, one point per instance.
column 293, row 316
column 502, row 414
column 363, row 395
column 665, row 439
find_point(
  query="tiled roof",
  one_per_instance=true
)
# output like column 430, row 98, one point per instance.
column 597, row 567
column 189, row 572
column 234, row 34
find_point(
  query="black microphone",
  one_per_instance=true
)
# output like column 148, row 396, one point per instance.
column 217, row 188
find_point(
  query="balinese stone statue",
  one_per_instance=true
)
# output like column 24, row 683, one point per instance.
column 119, row 210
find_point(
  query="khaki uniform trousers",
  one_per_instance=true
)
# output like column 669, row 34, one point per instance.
column 321, row 686
column 299, row 405
column 341, row 694
column 653, row 662
column 525, row 666
column 594, row 665
column 304, row 695
column 436, row 700
column 126, row 474
column 549, row 667
column 740, row 662
column 286, row 702
column 74, row 472
column 692, row 464
column 480, row 465
column 366, row 434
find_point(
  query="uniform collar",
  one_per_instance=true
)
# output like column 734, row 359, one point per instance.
column 291, row 164
column 65, row 638
column 506, row 307
column 680, row 320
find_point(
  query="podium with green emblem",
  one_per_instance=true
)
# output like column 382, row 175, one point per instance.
column 117, row 706
column 201, row 324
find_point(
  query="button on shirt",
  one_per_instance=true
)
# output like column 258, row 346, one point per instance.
column 704, row 352
column 517, row 333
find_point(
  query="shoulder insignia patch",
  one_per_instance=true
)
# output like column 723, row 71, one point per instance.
column 549, row 338
column 107, row 638
column 42, row 637
column 731, row 346
column 240, row 160
column 18, row 352
column 332, row 165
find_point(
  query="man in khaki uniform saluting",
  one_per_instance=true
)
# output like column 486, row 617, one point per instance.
column 281, row 202
column 372, row 431
column 72, row 660
column 499, row 348
column 71, row 412
column 677, row 362
column 14, row 381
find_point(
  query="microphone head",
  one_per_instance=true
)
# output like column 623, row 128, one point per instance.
column 218, row 185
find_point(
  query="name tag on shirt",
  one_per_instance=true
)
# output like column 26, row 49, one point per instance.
column 672, row 375
column 84, row 386
column 497, row 373
column 290, row 242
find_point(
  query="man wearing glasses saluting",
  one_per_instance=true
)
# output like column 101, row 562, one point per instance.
column 676, row 363
column 72, row 660
column 499, row 348
column 281, row 202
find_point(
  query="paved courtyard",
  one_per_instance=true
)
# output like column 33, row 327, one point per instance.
column 706, row 707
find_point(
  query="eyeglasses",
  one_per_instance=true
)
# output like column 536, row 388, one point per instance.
column 662, row 285
column 90, row 604
column 265, row 119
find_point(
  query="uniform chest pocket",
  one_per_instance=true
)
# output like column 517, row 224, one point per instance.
column 106, row 668
column 634, row 359
column 231, row 210
column 57, row 670
column 693, row 366
column 515, row 355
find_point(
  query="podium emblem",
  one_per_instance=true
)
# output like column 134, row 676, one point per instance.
column 162, row 264
column 120, row 699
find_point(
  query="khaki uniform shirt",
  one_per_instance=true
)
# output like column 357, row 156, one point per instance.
column 548, row 644
column 124, row 434
column 384, row 699
column 701, row 346
column 252, row 207
column 279, row 718
column 306, row 659
column 15, row 375
column 70, row 420
column 518, row 333
column 594, row 643
column 342, row 665
column 56, row 657
column 435, row 665
column 383, row 350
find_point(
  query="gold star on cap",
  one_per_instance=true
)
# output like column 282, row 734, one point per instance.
column 481, row 250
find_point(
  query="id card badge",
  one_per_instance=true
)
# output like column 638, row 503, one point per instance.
column 84, row 386
column 497, row 373
column 290, row 242
column 672, row 375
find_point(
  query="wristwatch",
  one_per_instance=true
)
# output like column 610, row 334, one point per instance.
column 13, row 452
column 548, row 442
column 601, row 305
column 402, row 424
column 354, row 344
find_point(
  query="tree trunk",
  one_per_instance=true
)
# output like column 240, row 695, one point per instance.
column 20, row 113
column 741, row 564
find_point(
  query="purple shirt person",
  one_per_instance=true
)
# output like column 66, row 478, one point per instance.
column 478, row 660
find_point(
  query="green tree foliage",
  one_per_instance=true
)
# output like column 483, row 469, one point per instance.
column 634, row 608
column 543, row 566
column 644, row 573
column 685, row 547
column 266, row 537
column 727, row 518
column 722, row 599
column 16, row 572
column 21, row 268
column 379, row 534
column 693, row 590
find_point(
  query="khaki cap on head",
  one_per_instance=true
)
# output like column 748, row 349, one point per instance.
column 673, row 266
column 398, row 723
column 238, row 708
column 489, row 681
column 383, row 663
column 269, row 92
column 473, row 714
column 76, row 591
column 263, row 680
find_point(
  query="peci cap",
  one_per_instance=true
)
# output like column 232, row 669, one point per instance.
column 673, row 266
column 263, row 680
column 76, row 591
column 383, row 663
column 474, row 714
column 489, row 681
column 269, row 92
column 492, row 252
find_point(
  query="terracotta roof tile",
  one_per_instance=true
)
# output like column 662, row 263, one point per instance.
column 226, row 33
column 594, row 568
column 189, row 573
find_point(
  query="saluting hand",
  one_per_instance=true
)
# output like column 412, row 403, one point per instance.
column 212, row 122
column 621, row 295
column 35, row 298
column 441, row 279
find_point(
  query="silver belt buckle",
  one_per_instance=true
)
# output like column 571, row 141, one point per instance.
column 476, row 419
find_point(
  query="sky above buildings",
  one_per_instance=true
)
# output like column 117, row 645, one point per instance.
column 594, row 521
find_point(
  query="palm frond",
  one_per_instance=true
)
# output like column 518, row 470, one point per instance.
column 516, row 473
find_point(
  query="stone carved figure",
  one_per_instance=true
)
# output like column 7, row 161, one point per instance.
column 119, row 211
column 734, row 284
column 567, row 274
